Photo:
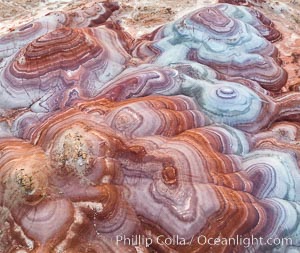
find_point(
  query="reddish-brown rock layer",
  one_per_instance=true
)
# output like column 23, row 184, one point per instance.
column 171, row 142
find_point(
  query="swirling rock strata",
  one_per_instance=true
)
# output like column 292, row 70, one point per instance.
column 92, row 14
column 183, row 133
column 92, row 162
column 224, row 37
column 60, row 66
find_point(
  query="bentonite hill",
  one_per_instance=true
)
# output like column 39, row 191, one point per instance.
column 149, row 126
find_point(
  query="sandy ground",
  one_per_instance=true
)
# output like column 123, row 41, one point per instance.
column 137, row 16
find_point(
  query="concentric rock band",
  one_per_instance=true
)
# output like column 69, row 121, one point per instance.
column 187, row 131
